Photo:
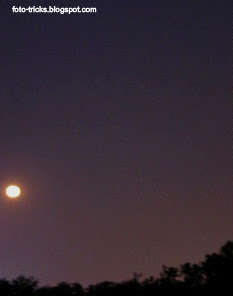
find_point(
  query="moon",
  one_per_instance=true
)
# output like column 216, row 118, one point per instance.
column 13, row 191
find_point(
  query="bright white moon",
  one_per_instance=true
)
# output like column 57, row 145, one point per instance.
column 13, row 191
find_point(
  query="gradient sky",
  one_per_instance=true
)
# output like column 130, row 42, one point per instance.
column 118, row 128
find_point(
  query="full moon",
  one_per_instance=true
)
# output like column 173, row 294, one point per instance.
column 13, row 191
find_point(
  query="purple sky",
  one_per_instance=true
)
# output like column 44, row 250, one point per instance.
column 118, row 128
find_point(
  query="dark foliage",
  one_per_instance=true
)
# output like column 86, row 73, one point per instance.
column 214, row 274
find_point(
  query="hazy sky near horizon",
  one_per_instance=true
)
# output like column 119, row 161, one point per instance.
column 118, row 128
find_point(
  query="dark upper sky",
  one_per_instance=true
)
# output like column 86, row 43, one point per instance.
column 118, row 128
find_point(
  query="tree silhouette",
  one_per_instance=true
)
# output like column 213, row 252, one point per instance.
column 23, row 286
column 218, row 268
column 5, row 287
column 192, row 275
column 213, row 274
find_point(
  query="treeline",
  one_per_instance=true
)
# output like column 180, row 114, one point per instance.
column 214, row 274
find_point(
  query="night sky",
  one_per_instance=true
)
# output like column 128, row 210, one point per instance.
column 118, row 128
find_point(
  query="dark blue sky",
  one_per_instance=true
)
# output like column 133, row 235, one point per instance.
column 118, row 128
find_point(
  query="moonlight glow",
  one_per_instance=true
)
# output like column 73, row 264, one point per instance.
column 13, row 191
